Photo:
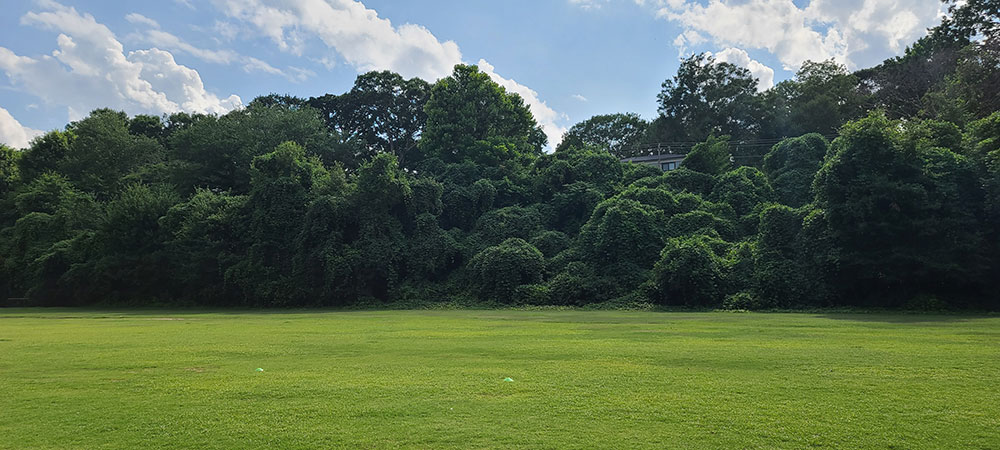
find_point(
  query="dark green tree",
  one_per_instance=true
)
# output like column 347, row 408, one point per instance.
column 45, row 154
column 899, row 215
column 204, row 238
column 9, row 172
column 102, row 152
column 217, row 151
column 689, row 273
column 470, row 117
column 383, row 112
column 711, row 157
column 498, row 271
column 791, row 166
column 283, row 183
column 618, row 134
column 822, row 97
column 709, row 98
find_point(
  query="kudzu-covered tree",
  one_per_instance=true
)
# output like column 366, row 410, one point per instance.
column 791, row 165
column 498, row 271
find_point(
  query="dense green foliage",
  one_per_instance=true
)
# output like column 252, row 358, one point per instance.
column 400, row 190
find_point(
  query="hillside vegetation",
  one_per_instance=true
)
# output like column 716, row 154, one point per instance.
column 877, row 188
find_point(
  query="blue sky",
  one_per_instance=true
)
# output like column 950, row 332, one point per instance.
column 570, row 59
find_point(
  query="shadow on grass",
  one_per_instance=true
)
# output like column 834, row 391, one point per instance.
column 543, row 314
column 178, row 313
column 907, row 317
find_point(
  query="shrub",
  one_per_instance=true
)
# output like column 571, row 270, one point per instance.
column 550, row 243
column 498, row 271
column 689, row 273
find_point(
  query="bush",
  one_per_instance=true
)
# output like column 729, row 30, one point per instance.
column 622, row 238
column 551, row 243
column 689, row 273
column 743, row 189
column 742, row 301
column 791, row 166
column 577, row 285
column 498, row 271
column 532, row 294
column 510, row 222
column 699, row 222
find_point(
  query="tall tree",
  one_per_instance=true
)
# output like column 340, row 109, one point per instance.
column 102, row 152
column 899, row 84
column 383, row 112
column 470, row 117
column 901, row 215
column 708, row 97
column 791, row 166
column 618, row 134
column 217, row 152
column 822, row 97
column 973, row 17
column 282, row 184
column 9, row 173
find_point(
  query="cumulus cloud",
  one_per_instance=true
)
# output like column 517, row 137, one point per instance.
column 688, row 37
column 90, row 69
column 852, row 32
column 13, row 133
column 739, row 57
column 546, row 116
column 580, row 98
column 776, row 25
column 357, row 33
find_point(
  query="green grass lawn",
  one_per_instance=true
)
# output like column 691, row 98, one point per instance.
column 72, row 379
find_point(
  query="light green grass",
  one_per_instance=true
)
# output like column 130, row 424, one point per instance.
column 74, row 379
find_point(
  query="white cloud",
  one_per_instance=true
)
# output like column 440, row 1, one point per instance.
column 580, row 98
column 164, row 40
column 299, row 74
column 13, row 133
column 544, row 115
column 226, row 30
column 326, row 61
column 777, row 25
column 179, row 84
column 853, row 32
column 140, row 19
column 89, row 69
column 293, row 74
column 588, row 4
column 688, row 37
column 255, row 65
column 357, row 33
column 739, row 57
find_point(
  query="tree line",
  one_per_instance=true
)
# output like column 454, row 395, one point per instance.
column 406, row 192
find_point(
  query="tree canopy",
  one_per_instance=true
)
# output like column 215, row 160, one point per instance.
column 877, row 188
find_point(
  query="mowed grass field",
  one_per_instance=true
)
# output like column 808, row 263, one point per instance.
column 428, row 379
